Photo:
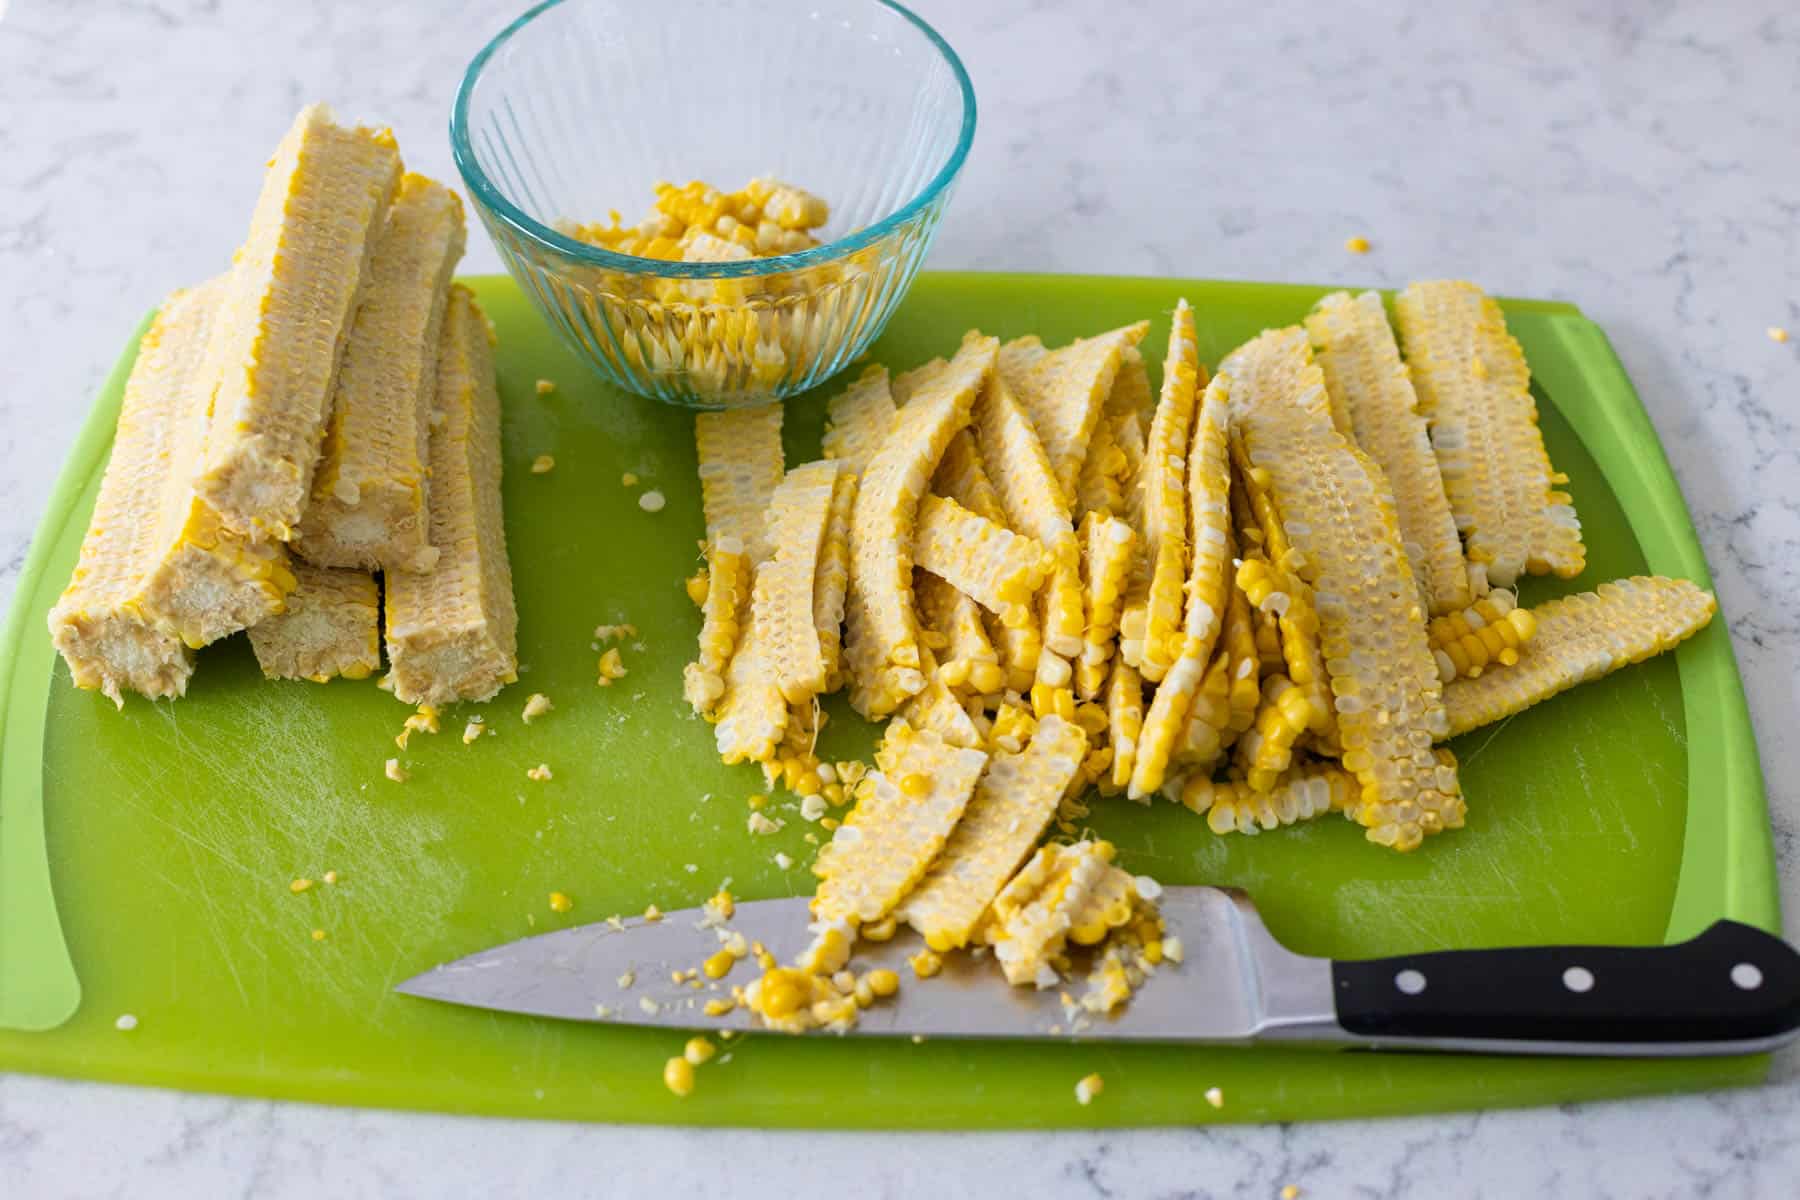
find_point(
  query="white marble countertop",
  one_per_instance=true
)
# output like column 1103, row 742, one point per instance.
column 1638, row 160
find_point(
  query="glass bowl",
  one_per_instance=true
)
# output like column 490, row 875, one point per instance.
column 580, row 106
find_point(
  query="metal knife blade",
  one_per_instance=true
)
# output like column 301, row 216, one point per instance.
column 1235, row 982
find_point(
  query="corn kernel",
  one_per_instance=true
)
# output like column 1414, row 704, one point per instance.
column 539, row 773
column 299, row 885
column 718, row 1006
column 697, row 585
column 545, row 387
column 652, row 502
column 652, row 914
column 1215, row 1097
column 678, row 1076
column 718, row 965
column 536, row 706
column 1777, row 334
column 396, row 772
column 331, row 877
column 543, row 464
column 318, row 935
column 883, row 982
column 915, row 785
column 1087, row 1087
column 560, row 902
column 925, row 964
column 698, row 1050
column 1357, row 245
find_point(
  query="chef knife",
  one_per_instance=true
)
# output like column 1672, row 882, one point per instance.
column 1732, row 990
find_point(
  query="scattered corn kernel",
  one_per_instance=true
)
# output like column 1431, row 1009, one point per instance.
column 472, row 732
column 560, row 902
column 883, row 982
column 1290, row 1192
column 1215, row 1097
column 611, row 667
column 757, row 800
column 331, row 877
column 678, row 1076
column 926, row 963
column 784, row 860
column 652, row 502
column 318, row 935
column 1357, row 245
column 536, row 706
column 539, row 773
column 652, row 914
column 718, row 1006
column 628, row 480
column 125, row 1023
column 299, row 885
column 1777, row 334
column 698, row 1050
column 718, row 965
column 1087, row 1087
column 543, row 464
column 762, row 826
column 396, row 772
column 545, row 387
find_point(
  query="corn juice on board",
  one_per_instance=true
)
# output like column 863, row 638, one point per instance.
column 173, row 832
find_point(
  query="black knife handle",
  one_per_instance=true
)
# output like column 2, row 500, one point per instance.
column 1733, row 984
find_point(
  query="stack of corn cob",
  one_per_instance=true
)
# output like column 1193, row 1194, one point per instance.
column 324, row 410
column 1270, row 594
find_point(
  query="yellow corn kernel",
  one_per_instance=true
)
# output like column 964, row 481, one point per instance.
column 1124, row 719
column 611, row 666
column 1367, row 381
column 395, row 771
column 1579, row 638
column 540, row 773
column 698, row 586
column 1484, row 428
column 678, row 1076
column 926, row 963
column 1087, row 1087
column 1063, row 393
column 1304, row 791
column 719, row 965
column 1030, row 919
column 560, row 902
column 536, row 706
column 858, row 420
column 1108, row 548
column 1491, row 631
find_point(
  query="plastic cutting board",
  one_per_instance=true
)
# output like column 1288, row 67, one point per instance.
column 1629, row 811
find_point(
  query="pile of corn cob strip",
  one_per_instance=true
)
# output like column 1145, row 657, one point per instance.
column 1270, row 593
column 323, row 410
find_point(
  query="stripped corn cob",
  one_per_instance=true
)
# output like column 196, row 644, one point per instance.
column 1165, row 498
column 1289, row 598
column 293, row 289
column 1492, row 630
column 1102, row 482
column 752, row 713
column 740, row 465
column 908, row 382
column 1212, row 726
column 1108, row 546
column 1132, row 438
column 968, row 663
column 157, row 574
column 1130, row 395
column 1579, row 638
column 330, row 627
column 1474, row 387
column 858, row 419
column 962, row 477
column 370, row 493
column 1013, row 804
column 1331, row 502
column 1030, row 919
column 997, row 567
column 882, row 644
column 1304, row 791
column 833, row 579
column 452, row 632
column 783, row 595
column 1266, row 748
column 1020, row 647
column 721, row 620
column 903, row 817
column 1019, row 356
column 1064, row 391
column 1018, row 466
column 1367, row 381
column 1238, row 639
column 1064, row 615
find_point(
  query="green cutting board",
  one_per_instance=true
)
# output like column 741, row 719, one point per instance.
column 1630, row 811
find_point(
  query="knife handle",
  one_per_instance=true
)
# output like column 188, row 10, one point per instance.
column 1734, row 989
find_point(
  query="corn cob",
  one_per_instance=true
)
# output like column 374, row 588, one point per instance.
column 1108, row 547
column 1064, row 391
column 1064, row 616
column 1013, row 804
column 936, row 709
column 370, row 492
column 1266, row 748
column 1238, row 639
column 752, row 713
column 1124, row 721
column 1304, row 791
column 1132, row 438
column 882, row 645
column 740, row 465
column 1289, row 599
column 858, row 419
column 783, row 595
column 1164, row 482
column 1020, row 648
column 997, row 567
column 150, row 538
column 1212, row 718
column 452, row 632
column 1130, row 393
column 721, row 621
column 908, row 382
column 1580, row 638
column 904, row 814
column 1492, row 630
column 293, row 290
column 833, row 579
column 1101, row 485
column 962, row 477
column 969, row 663
column 330, row 627
column 1474, row 387
column 1031, row 918
column 1019, row 356
column 1366, row 379
column 1328, row 499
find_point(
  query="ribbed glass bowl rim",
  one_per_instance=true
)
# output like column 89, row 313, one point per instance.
column 492, row 199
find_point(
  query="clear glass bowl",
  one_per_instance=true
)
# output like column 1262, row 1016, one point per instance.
column 580, row 106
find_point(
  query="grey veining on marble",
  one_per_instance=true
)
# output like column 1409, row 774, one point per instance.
column 1638, row 159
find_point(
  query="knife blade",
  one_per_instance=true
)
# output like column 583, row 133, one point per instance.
column 1734, row 989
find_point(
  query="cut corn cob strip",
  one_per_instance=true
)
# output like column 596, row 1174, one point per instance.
column 908, row 382
column 740, row 466
column 1238, row 638
column 1492, row 630
column 883, row 627
column 721, row 621
column 962, row 478
column 1013, row 804
column 1130, row 393
column 452, row 631
column 1019, row 356
column 857, row 420
column 1101, row 487
column 1064, row 616
column 1306, row 790
column 1132, row 438
column 1330, row 501
column 1017, row 465
column 936, row 709
column 1108, row 548
column 1579, row 638
column 1367, row 381
column 1020, row 648
column 782, row 599
column 330, row 627
column 903, row 816
column 968, row 663
column 1289, row 598
column 1474, row 387
column 833, row 579
column 370, row 493
column 1164, row 481
column 752, row 713
column 293, row 290
column 1124, row 719
column 173, row 570
column 1212, row 719
column 1064, row 391
column 1266, row 748
column 1030, row 919
column 1001, row 569
column 99, row 624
